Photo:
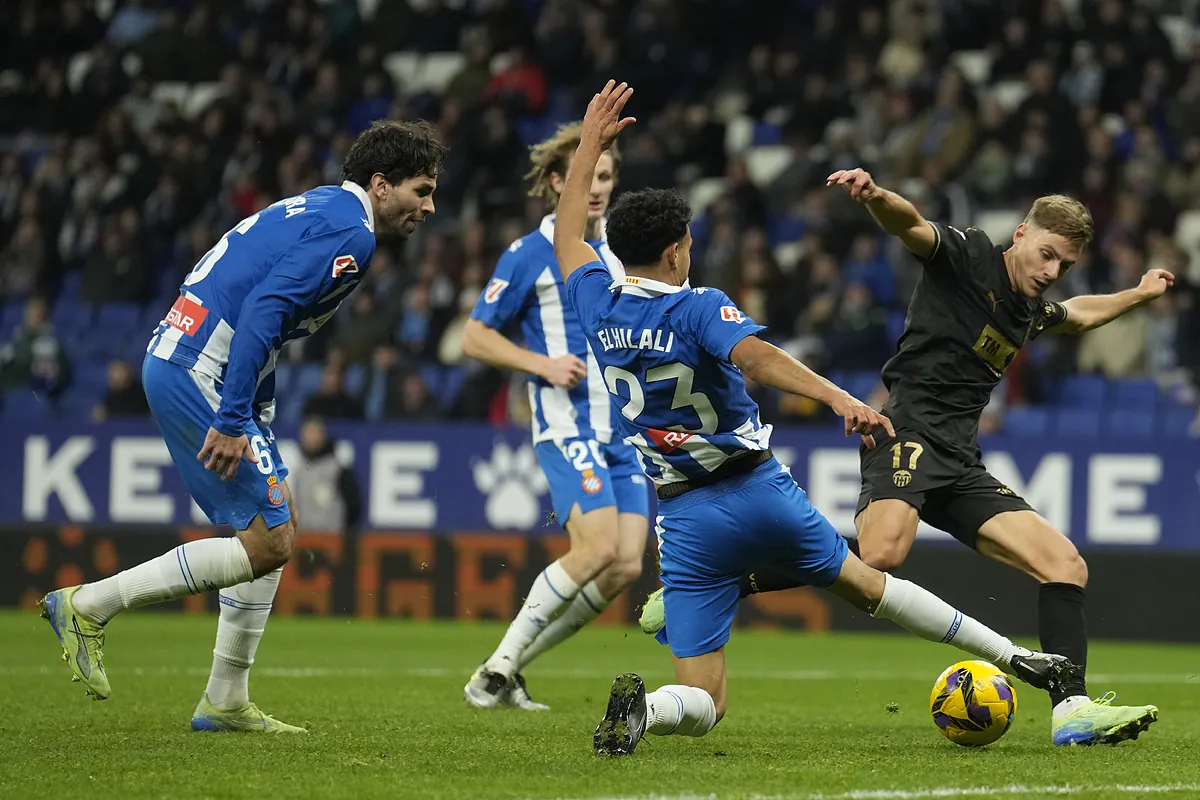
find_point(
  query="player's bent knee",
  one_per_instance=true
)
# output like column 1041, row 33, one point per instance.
column 268, row 548
column 626, row 571
column 882, row 554
column 1066, row 567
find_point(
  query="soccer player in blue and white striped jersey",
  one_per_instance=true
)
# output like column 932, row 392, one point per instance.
column 674, row 358
column 278, row 275
column 596, row 485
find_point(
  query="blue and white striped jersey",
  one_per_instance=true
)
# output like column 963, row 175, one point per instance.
column 664, row 351
column 527, row 286
column 278, row 275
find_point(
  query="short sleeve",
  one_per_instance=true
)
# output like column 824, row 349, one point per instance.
column 716, row 323
column 506, row 294
column 587, row 290
column 956, row 251
column 1048, row 315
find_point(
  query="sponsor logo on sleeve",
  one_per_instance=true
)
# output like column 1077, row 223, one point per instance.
column 494, row 290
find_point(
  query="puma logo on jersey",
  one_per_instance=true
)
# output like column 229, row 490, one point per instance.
column 344, row 265
column 995, row 300
column 731, row 314
column 494, row 290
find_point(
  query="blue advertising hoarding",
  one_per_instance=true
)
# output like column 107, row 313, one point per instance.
column 1102, row 492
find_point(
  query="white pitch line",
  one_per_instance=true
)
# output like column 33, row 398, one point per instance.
column 1161, row 678
column 1014, row 790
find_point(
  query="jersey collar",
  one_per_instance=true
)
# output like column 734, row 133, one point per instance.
column 356, row 190
column 645, row 287
column 546, row 229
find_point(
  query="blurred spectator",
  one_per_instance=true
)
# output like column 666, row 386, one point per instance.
column 520, row 86
column 124, row 396
column 325, row 490
column 331, row 401
column 35, row 359
column 23, row 263
column 365, row 328
column 382, row 388
column 857, row 337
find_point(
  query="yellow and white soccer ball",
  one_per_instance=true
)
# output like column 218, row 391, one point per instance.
column 973, row 703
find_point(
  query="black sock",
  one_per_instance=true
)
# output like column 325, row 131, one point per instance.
column 1062, row 628
column 770, row 579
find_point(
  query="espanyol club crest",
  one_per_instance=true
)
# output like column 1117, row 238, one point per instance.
column 591, row 483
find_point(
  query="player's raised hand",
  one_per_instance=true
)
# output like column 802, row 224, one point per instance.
column 1155, row 283
column 603, row 121
column 222, row 453
column 565, row 371
column 858, row 183
column 861, row 418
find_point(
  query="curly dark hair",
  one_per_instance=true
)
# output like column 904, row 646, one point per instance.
column 641, row 225
column 396, row 150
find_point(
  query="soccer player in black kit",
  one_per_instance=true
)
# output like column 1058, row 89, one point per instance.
column 975, row 305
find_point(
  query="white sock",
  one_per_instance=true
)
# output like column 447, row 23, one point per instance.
column 204, row 565
column 586, row 606
column 244, row 611
column 550, row 595
column 1069, row 705
column 680, row 711
column 928, row 616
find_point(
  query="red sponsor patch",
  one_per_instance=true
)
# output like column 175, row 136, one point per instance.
column 666, row 441
column 731, row 314
column 274, row 492
column 344, row 265
column 494, row 290
column 591, row 483
column 186, row 315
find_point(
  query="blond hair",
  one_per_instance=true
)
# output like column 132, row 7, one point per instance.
column 1064, row 216
column 553, row 155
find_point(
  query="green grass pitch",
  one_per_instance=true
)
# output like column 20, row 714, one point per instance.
column 809, row 718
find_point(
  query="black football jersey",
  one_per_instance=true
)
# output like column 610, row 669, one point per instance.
column 965, row 325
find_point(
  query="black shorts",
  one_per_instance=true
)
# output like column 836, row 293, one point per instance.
column 950, row 494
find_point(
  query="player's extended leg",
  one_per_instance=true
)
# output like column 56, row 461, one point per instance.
column 593, row 548
column 924, row 614
column 1026, row 541
column 886, row 530
column 593, row 598
column 78, row 614
column 225, row 704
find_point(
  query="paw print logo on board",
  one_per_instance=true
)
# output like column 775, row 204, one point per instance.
column 514, row 484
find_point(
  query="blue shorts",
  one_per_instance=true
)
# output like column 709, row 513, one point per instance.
column 184, row 404
column 594, row 475
column 708, row 537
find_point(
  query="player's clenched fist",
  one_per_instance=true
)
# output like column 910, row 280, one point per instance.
column 857, row 183
column 603, row 121
column 1155, row 283
column 861, row 418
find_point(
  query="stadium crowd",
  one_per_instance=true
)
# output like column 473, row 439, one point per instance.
column 135, row 132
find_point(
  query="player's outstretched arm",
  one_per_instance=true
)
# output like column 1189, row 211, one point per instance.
column 601, row 125
column 1091, row 311
column 894, row 214
column 488, row 345
column 765, row 363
